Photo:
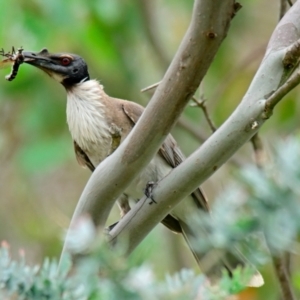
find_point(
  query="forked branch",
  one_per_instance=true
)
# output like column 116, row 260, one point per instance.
column 250, row 115
column 209, row 25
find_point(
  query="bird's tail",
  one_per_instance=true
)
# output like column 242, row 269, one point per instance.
column 214, row 261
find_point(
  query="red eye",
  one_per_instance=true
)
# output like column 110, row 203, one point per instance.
column 65, row 61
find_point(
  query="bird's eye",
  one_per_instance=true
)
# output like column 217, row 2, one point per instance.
column 65, row 61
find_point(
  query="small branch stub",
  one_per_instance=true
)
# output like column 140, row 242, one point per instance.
column 150, row 87
column 201, row 104
column 292, row 55
column 254, row 125
column 211, row 35
column 237, row 6
column 291, row 61
column 275, row 97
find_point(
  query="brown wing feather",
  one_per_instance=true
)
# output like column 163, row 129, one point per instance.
column 173, row 155
column 132, row 110
column 82, row 158
column 169, row 151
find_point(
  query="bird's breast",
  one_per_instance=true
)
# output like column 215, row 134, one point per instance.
column 88, row 126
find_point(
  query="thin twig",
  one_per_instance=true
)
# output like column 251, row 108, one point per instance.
column 150, row 87
column 272, row 100
column 290, row 2
column 201, row 104
column 196, row 132
column 198, row 103
column 284, row 280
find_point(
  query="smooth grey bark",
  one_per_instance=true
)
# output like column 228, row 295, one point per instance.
column 265, row 91
column 208, row 27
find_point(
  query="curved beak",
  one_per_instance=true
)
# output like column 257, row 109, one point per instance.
column 38, row 59
column 47, row 62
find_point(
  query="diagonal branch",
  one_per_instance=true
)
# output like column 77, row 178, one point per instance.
column 274, row 99
column 245, row 121
column 209, row 25
column 283, row 277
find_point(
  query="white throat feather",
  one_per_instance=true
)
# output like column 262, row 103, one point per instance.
column 85, row 117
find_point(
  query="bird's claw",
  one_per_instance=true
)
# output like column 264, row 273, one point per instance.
column 148, row 191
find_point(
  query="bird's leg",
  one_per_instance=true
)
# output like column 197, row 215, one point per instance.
column 124, row 207
column 123, row 204
column 148, row 191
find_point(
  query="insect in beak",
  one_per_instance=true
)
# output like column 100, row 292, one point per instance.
column 14, row 58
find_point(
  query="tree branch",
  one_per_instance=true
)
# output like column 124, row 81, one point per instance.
column 290, row 63
column 150, row 87
column 208, row 27
column 202, row 105
column 273, row 100
column 238, row 129
column 200, row 135
column 235, row 72
column 283, row 277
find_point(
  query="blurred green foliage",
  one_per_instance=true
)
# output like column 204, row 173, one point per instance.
column 105, row 274
column 40, row 181
column 263, row 209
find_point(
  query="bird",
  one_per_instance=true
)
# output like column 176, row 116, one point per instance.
column 99, row 123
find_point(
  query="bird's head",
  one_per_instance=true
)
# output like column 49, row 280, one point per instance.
column 66, row 68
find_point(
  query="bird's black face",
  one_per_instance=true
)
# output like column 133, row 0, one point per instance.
column 68, row 69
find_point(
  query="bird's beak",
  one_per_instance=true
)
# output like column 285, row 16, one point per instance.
column 38, row 59
column 46, row 62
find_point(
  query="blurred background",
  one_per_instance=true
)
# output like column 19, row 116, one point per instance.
column 128, row 45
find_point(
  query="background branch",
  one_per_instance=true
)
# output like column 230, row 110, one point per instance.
column 201, row 103
column 283, row 277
